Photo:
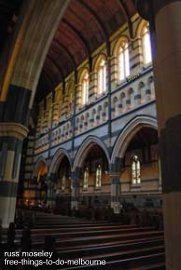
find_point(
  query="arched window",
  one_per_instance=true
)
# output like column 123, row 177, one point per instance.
column 135, row 170
column 102, row 76
column 85, row 88
column 71, row 184
column 63, row 182
column 123, row 61
column 86, row 178
column 98, row 176
column 146, row 45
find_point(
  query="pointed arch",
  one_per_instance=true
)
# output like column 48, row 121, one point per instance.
column 115, row 48
column 85, row 148
column 128, row 133
column 101, row 70
column 143, row 33
column 57, row 158
column 84, row 82
column 41, row 161
column 140, row 27
column 121, row 52
column 98, row 60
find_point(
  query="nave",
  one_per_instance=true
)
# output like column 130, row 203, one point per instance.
column 122, row 246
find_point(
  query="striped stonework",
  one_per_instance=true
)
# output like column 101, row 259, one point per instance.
column 167, row 63
column 78, row 90
column 115, row 192
column 96, row 119
column 16, row 108
column 39, row 124
column 63, row 108
column 11, row 137
column 93, row 85
column 114, row 70
column 27, row 162
column 114, row 175
column 67, row 107
column 136, row 57
column 55, row 113
column 45, row 124
column 57, row 105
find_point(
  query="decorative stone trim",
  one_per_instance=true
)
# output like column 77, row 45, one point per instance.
column 13, row 130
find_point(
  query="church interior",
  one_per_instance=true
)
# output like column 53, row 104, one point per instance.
column 90, row 134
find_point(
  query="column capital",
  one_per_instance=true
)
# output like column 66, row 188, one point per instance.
column 10, row 129
column 115, row 178
column 117, row 166
column 114, row 174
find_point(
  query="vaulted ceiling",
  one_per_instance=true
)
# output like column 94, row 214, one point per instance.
column 84, row 27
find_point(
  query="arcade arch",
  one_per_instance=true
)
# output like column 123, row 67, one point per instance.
column 92, row 165
column 60, row 181
column 138, row 154
column 128, row 133
column 85, row 148
column 36, row 192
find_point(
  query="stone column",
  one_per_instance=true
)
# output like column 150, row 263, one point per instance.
column 11, row 141
column 51, row 192
column 136, row 56
column 75, row 191
column 115, row 192
column 55, row 113
column 167, row 72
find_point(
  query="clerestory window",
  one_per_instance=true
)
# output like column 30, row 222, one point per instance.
column 85, row 88
column 146, row 45
column 102, row 77
column 123, row 61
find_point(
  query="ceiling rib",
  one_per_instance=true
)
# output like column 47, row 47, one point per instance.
column 79, row 35
column 68, row 53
